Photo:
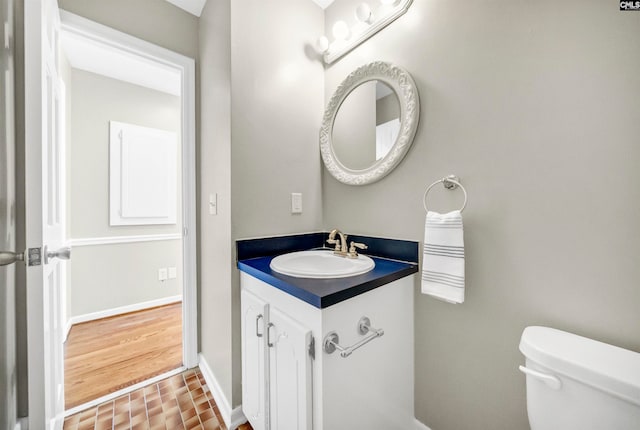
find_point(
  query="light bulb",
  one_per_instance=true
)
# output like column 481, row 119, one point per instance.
column 322, row 44
column 363, row 13
column 340, row 30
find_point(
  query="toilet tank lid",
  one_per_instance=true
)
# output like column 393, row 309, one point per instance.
column 610, row 368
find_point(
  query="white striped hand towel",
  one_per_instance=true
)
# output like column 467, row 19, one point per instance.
column 443, row 260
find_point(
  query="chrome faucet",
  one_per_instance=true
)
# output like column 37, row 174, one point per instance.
column 341, row 244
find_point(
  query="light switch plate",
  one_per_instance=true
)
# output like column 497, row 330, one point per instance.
column 172, row 273
column 296, row 203
column 162, row 274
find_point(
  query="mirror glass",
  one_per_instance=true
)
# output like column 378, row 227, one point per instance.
column 366, row 125
column 369, row 123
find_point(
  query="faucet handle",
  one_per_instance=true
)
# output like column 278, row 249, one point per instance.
column 352, row 249
column 335, row 242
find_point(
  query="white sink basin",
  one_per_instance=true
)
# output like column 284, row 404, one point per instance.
column 320, row 265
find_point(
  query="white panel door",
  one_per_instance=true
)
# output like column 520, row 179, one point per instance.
column 254, row 391
column 8, row 387
column 289, row 373
column 45, row 220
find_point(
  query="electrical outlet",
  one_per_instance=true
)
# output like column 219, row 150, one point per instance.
column 296, row 203
column 173, row 273
column 162, row 274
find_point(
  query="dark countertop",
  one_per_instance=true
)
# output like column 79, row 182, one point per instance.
column 323, row 293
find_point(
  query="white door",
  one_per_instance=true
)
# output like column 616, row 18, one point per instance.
column 290, row 376
column 8, row 393
column 44, row 140
column 254, row 391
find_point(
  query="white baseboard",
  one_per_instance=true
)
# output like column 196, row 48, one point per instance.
column 67, row 329
column 237, row 418
column 119, row 311
column 22, row 424
column 420, row 426
column 232, row 418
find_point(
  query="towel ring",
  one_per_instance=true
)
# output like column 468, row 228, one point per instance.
column 451, row 182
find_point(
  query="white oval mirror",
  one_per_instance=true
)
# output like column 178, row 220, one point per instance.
column 369, row 123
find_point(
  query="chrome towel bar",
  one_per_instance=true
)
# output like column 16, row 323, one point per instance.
column 331, row 340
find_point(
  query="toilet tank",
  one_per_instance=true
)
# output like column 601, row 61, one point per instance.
column 576, row 383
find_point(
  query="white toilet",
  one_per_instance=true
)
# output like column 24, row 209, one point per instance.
column 575, row 383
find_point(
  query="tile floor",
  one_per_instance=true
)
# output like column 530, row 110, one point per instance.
column 181, row 402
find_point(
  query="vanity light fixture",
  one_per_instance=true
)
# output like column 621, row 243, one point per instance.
column 322, row 44
column 364, row 14
column 341, row 30
column 368, row 23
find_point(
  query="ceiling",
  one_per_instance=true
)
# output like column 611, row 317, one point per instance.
column 323, row 3
column 195, row 7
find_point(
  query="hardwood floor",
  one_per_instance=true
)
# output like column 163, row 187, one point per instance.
column 106, row 355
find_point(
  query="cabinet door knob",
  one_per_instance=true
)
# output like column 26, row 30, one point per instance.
column 269, row 344
column 258, row 318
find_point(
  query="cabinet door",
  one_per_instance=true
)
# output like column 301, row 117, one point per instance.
column 290, row 375
column 254, row 391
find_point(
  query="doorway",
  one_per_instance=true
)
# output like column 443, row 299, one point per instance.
column 130, row 203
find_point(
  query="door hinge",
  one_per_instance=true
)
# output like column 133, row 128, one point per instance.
column 312, row 348
column 34, row 257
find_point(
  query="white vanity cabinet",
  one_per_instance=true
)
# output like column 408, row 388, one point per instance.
column 276, row 367
column 291, row 383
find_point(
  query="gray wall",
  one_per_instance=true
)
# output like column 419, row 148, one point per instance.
column 215, row 247
column 276, row 109
column 104, row 277
column 271, row 108
column 535, row 106
column 96, row 100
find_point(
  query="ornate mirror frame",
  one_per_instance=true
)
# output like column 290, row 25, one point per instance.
column 405, row 89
